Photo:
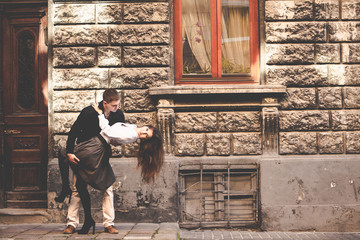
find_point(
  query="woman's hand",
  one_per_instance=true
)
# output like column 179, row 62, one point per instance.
column 97, row 109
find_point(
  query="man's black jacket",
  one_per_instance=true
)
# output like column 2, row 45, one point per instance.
column 86, row 125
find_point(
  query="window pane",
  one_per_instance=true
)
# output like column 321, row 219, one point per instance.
column 235, row 36
column 196, row 36
column 26, row 70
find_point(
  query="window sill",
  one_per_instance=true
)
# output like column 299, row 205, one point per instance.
column 217, row 90
column 219, row 97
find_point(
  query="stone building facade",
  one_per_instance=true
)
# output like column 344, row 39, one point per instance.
column 291, row 139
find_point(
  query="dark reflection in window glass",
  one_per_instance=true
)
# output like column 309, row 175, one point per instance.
column 26, row 70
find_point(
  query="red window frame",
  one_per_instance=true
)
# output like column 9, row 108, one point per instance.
column 216, row 78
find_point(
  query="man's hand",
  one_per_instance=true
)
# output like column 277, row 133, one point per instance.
column 73, row 159
column 97, row 109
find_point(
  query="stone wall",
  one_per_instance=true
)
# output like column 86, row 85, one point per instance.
column 311, row 47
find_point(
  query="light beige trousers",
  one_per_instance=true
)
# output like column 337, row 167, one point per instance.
column 107, row 206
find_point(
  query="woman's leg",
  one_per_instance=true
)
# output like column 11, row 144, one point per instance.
column 64, row 173
column 85, row 201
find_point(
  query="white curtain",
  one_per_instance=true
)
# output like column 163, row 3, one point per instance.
column 196, row 27
column 235, row 34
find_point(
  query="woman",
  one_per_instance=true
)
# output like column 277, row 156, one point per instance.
column 94, row 167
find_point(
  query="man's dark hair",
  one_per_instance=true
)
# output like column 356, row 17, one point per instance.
column 111, row 95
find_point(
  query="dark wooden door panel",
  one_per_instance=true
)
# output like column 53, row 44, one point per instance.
column 24, row 64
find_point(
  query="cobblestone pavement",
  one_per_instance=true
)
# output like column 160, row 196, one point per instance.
column 162, row 231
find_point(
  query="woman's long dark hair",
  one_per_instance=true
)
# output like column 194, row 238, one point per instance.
column 151, row 156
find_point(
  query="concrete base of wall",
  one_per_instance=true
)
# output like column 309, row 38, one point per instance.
column 134, row 201
column 301, row 193
column 297, row 193
column 16, row 216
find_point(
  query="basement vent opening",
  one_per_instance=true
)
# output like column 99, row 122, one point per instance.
column 219, row 196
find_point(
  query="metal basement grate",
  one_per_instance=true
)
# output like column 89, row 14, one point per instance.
column 215, row 197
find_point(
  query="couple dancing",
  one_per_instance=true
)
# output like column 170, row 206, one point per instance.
column 93, row 131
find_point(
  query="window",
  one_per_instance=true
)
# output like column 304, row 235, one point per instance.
column 216, row 41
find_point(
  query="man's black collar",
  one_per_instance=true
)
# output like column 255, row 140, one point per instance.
column 101, row 105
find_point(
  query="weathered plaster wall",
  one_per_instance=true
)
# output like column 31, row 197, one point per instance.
column 319, row 193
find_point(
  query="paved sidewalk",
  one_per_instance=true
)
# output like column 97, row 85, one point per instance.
column 127, row 231
column 162, row 231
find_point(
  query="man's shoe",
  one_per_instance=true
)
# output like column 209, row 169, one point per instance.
column 69, row 230
column 111, row 229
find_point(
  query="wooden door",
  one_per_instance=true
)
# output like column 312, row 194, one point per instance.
column 24, row 71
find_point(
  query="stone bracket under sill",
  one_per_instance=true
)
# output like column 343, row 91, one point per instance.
column 193, row 98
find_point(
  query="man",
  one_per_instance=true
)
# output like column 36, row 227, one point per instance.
column 85, row 127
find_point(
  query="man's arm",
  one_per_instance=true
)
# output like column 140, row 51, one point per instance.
column 72, row 136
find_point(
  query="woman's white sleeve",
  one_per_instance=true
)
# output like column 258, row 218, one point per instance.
column 103, row 123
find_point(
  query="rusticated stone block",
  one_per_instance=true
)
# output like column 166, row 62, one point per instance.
column 139, row 77
column 295, row 32
column 247, row 143
column 109, row 56
column 344, row 74
column 146, row 12
column 344, row 31
column 147, row 56
column 297, row 75
column 141, row 119
column 109, row 13
column 304, row 120
column 288, row 10
column 74, row 56
column 189, row 145
column 116, row 151
column 137, row 101
column 195, row 122
column 64, row 121
column 350, row 9
column 352, row 97
column 139, row 34
column 289, row 53
column 326, row 9
column 74, row 13
column 240, row 121
column 330, row 97
column 218, row 144
column 351, row 53
column 59, row 142
column 346, row 119
column 131, row 150
column 299, row 98
column 80, row 78
column 331, row 142
column 298, row 143
column 80, row 35
column 352, row 142
column 72, row 100
column 327, row 53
